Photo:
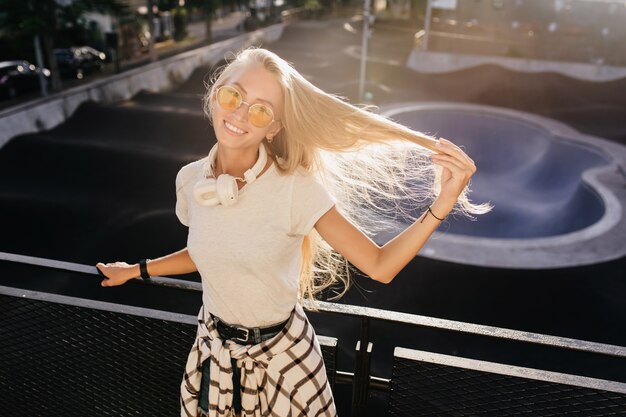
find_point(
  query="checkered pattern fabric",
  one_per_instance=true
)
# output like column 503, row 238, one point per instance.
column 282, row 376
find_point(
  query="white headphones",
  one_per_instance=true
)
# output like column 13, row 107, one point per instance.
column 223, row 190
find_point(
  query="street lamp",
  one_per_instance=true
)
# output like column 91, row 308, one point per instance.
column 368, row 19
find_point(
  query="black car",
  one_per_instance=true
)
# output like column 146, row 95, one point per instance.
column 20, row 76
column 77, row 61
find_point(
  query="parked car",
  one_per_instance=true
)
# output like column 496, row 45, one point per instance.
column 20, row 76
column 78, row 61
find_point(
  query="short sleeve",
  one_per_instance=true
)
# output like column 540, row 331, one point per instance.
column 310, row 201
column 181, row 200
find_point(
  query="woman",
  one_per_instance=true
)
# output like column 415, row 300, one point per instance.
column 276, row 213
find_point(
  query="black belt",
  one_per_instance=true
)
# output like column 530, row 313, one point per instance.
column 245, row 334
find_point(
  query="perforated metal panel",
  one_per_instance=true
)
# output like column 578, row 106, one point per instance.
column 421, row 388
column 63, row 359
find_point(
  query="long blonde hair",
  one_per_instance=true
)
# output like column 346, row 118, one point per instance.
column 378, row 169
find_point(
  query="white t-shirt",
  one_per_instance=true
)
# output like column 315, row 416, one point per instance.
column 249, row 254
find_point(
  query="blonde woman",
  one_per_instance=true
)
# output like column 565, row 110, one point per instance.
column 290, row 195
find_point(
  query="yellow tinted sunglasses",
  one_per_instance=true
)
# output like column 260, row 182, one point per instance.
column 230, row 99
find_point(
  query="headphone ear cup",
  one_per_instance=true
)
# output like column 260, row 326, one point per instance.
column 205, row 192
column 227, row 190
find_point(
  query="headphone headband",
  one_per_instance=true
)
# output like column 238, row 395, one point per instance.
column 210, row 191
column 249, row 176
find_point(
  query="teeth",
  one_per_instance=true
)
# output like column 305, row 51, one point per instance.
column 234, row 128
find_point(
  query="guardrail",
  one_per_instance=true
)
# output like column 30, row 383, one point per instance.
column 595, row 395
column 429, row 384
column 69, row 356
column 47, row 112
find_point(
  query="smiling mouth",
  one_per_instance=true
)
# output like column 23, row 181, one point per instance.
column 233, row 129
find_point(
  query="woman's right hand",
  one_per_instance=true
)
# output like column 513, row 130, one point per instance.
column 117, row 273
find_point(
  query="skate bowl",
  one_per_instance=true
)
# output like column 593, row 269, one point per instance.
column 557, row 194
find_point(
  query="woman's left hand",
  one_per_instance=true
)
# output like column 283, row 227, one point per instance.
column 458, row 168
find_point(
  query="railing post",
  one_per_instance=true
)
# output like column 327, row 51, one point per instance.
column 360, row 383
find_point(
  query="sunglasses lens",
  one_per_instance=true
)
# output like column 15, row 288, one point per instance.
column 260, row 115
column 228, row 98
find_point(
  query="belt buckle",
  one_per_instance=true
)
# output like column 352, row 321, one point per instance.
column 247, row 334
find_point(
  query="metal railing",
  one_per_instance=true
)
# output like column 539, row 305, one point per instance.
column 69, row 356
column 361, row 379
column 432, row 384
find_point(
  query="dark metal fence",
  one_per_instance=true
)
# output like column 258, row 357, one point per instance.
column 69, row 356
column 65, row 356
column 430, row 384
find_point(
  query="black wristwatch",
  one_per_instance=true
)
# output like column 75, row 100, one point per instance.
column 143, row 268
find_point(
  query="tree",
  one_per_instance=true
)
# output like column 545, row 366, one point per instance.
column 41, row 18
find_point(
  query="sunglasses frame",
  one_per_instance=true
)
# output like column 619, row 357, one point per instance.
column 242, row 101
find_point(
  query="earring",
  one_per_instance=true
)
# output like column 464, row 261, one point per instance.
column 270, row 139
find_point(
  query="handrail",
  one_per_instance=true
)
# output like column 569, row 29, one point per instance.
column 180, row 284
column 510, row 370
column 362, row 312
column 478, row 329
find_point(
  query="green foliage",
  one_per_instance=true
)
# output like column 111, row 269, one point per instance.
column 30, row 17
column 312, row 5
column 27, row 17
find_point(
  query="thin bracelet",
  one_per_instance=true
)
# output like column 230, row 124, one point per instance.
column 143, row 269
column 433, row 214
